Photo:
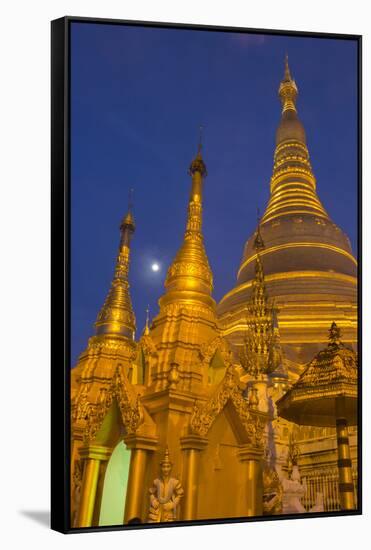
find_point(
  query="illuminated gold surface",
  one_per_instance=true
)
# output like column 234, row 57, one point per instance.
column 116, row 315
column 202, row 383
column 157, row 393
column 87, row 502
column 284, row 276
column 307, row 259
column 332, row 373
column 134, row 493
column 346, row 489
column 326, row 395
column 298, row 245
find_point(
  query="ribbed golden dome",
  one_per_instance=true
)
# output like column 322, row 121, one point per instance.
column 309, row 267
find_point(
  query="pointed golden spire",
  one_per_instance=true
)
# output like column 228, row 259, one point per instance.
column 258, row 315
column 287, row 75
column 258, row 307
column 190, row 272
column 293, row 185
column 260, row 320
column 276, row 365
column 274, row 319
column 146, row 328
column 116, row 315
column 288, row 90
column 258, row 290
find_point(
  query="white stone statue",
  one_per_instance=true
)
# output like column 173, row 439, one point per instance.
column 293, row 492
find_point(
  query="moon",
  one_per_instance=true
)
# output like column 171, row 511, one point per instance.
column 155, row 266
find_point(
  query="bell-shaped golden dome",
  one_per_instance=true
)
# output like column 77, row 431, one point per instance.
column 308, row 263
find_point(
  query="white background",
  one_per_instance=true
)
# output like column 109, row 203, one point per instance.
column 24, row 271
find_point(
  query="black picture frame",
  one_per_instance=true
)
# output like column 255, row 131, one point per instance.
column 60, row 267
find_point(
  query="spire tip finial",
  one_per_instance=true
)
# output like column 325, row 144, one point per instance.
column 198, row 165
column 201, row 128
column 128, row 220
column 146, row 328
column 288, row 90
column 287, row 76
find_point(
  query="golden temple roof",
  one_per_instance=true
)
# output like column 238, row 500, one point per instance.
column 333, row 373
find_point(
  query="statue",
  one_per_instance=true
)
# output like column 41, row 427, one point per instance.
column 165, row 494
column 272, row 487
column 293, row 488
column 293, row 492
column 272, row 492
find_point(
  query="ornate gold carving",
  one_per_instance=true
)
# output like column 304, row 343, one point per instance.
column 185, row 269
column 253, row 424
column 173, row 376
column 108, row 345
column 208, row 350
column 82, row 405
column 272, row 492
column 76, row 489
column 253, row 398
column 255, row 354
column 198, row 165
column 293, row 450
column 129, row 404
column 204, row 416
column 148, row 346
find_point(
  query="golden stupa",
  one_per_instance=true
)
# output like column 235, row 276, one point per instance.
column 309, row 267
column 181, row 424
column 176, row 394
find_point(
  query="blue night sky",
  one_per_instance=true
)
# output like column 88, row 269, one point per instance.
column 138, row 97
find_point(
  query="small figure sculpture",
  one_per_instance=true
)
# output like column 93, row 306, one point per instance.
column 272, row 487
column 173, row 376
column 293, row 488
column 293, row 492
column 272, row 492
column 165, row 494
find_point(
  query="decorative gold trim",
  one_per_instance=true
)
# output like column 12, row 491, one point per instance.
column 128, row 402
column 298, row 245
column 203, row 417
column 293, row 275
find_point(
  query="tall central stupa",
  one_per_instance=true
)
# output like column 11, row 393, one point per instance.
column 310, row 270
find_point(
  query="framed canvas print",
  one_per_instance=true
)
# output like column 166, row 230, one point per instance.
column 206, row 321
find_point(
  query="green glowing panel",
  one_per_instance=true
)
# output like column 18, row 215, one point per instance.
column 115, row 484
